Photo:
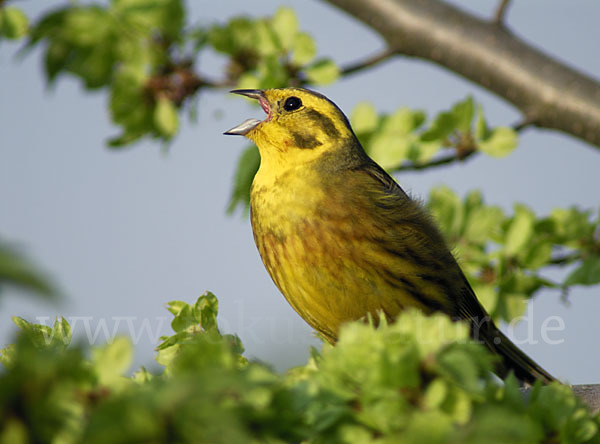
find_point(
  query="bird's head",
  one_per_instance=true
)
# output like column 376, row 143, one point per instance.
column 301, row 125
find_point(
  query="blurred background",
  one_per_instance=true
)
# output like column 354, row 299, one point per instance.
column 124, row 232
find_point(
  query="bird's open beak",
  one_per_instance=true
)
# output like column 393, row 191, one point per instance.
column 248, row 125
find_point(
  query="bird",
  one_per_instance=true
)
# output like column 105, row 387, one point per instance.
column 341, row 239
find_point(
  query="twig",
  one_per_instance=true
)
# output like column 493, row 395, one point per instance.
column 210, row 83
column 565, row 259
column 501, row 12
column 526, row 122
column 435, row 163
column 367, row 62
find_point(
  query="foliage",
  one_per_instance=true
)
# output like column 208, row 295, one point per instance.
column 506, row 256
column 13, row 23
column 418, row 380
column 141, row 51
column 391, row 139
column 16, row 271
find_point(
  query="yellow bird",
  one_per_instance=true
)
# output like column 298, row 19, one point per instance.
column 338, row 235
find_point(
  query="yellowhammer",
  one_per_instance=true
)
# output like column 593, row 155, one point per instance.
column 338, row 235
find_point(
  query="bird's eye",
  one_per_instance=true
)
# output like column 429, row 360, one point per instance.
column 292, row 103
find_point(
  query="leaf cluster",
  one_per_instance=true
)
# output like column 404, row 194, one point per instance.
column 507, row 256
column 127, row 46
column 142, row 52
column 16, row 271
column 270, row 52
column 418, row 380
column 393, row 139
column 14, row 24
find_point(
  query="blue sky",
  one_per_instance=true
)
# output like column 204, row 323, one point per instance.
column 125, row 232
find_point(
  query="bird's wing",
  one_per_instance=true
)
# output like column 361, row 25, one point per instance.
column 427, row 248
column 408, row 234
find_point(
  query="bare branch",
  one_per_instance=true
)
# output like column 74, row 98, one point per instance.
column 367, row 62
column 565, row 259
column 520, row 126
column 589, row 394
column 548, row 93
column 501, row 12
column 435, row 163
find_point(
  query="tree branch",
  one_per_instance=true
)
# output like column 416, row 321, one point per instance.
column 501, row 12
column 590, row 394
column 549, row 93
column 565, row 259
column 434, row 163
column 367, row 62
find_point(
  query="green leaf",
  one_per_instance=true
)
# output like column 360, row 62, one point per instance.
column 481, row 128
column 401, row 123
column 519, row 231
column 7, row 355
column 395, row 140
column 175, row 307
column 515, row 305
column 142, row 376
column 248, row 81
column 112, row 360
column 87, row 27
column 40, row 335
column 435, row 394
column 285, row 25
column 483, row 223
column 13, row 23
column 442, row 126
column 272, row 73
column 61, row 331
column 322, row 72
column 588, row 273
column 205, row 310
column 184, row 319
column 500, row 142
column 422, row 152
column 487, row 294
column 246, row 170
column 448, row 211
column 165, row 117
column 463, row 114
column 304, row 49
column 537, row 255
column 55, row 59
column 129, row 107
column 389, row 149
column 267, row 43
column 571, row 226
column 17, row 271
column 166, row 16
column 364, row 118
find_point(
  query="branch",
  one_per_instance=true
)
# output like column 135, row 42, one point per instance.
column 589, row 394
column 368, row 62
column 565, row 259
column 434, row 163
column 549, row 93
column 501, row 12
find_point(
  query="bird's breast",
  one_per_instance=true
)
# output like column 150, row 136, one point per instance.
column 315, row 254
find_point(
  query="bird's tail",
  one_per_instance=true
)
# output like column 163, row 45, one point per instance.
column 513, row 359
